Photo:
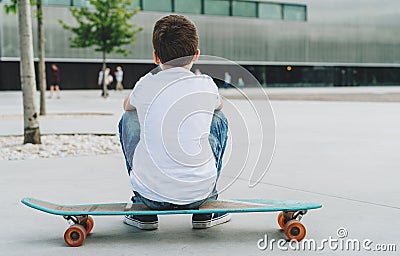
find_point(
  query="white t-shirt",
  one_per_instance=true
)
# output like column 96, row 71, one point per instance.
column 173, row 161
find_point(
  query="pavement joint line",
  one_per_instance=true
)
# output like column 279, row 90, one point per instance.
column 65, row 134
column 327, row 195
column 74, row 114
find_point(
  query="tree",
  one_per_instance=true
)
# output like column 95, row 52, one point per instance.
column 27, row 73
column 42, row 64
column 12, row 8
column 106, row 27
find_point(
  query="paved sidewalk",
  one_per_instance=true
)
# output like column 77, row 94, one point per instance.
column 341, row 154
column 348, row 94
column 76, row 112
column 86, row 112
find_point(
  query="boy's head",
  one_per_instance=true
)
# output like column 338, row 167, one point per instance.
column 174, row 37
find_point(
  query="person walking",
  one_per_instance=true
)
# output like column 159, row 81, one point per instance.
column 119, row 74
column 108, row 80
column 55, row 81
column 240, row 82
column 227, row 80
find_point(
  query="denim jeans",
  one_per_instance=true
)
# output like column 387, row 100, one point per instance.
column 129, row 135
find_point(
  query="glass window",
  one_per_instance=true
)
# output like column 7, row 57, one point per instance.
column 270, row 11
column 216, row 7
column 244, row 9
column 188, row 6
column 134, row 5
column 81, row 3
column 294, row 12
column 55, row 2
column 157, row 5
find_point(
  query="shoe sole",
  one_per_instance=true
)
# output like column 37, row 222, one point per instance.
column 208, row 224
column 141, row 225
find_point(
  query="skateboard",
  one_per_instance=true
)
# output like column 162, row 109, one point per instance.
column 81, row 220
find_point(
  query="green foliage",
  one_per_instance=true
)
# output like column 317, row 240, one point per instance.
column 13, row 6
column 107, row 26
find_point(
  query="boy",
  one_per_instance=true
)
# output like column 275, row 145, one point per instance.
column 173, row 134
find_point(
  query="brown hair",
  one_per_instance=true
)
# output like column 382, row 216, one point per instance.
column 175, row 36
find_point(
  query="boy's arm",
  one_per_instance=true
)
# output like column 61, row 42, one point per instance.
column 219, row 103
column 220, row 106
column 127, row 106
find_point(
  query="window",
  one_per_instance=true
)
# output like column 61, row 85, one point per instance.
column 55, row 2
column 270, row 11
column 134, row 5
column 81, row 3
column 216, row 7
column 294, row 12
column 188, row 6
column 157, row 5
column 244, row 9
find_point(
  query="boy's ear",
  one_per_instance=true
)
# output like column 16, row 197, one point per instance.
column 156, row 59
column 196, row 55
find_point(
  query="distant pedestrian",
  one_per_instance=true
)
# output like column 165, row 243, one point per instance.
column 55, row 81
column 227, row 80
column 119, row 75
column 197, row 71
column 108, row 80
column 240, row 82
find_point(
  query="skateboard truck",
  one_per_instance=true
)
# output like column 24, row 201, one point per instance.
column 80, row 220
column 299, row 214
column 84, row 220
column 291, row 215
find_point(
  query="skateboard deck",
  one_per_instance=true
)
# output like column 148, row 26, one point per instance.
column 82, row 223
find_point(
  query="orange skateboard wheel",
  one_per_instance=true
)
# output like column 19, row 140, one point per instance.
column 294, row 230
column 281, row 220
column 75, row 235
column 89, row 225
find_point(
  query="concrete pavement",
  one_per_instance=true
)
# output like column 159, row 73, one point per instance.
column 341, row 154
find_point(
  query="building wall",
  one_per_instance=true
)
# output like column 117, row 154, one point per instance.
column 248, row 41
column 235, row 38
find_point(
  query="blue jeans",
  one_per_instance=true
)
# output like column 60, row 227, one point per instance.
column 129, row 135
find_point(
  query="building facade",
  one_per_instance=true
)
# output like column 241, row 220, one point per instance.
column 274, row 41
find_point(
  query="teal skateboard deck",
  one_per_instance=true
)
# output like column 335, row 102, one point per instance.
column 82, row 223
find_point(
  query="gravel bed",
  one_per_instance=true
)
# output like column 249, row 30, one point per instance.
column 59, row 146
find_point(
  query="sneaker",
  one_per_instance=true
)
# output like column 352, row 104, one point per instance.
column 200, row 221
column 145, row 222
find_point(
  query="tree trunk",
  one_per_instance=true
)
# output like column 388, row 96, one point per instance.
column 27, row 73
column 42, row 65
column 105, row 89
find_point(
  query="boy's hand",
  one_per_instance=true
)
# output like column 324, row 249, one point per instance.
column 127, row 106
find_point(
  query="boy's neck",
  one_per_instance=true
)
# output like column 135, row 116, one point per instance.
column 165, row 67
